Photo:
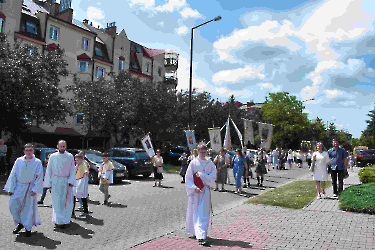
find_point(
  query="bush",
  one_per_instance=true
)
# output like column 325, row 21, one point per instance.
column 367, row 174
column 359, row 198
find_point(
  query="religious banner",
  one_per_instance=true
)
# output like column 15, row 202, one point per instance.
column 147, row 145
column 190, row 137
column 249, row 132
column 265, row 131
column 215, row 139
column 238, row 133
column 227, row 140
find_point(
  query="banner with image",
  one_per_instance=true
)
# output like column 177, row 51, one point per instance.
column 215, row 139
column 265, row 132
column 190, row 137
column 147, row 145
column 249, row 132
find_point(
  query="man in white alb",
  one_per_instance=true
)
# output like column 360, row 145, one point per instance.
column 60, row 178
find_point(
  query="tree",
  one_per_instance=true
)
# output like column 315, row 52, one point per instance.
column 317, row 131
column 285, row 112
column 368, row 135
column 29, row 86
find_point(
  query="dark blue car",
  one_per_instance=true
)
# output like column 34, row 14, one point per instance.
column 136, row 160
column 173, row 154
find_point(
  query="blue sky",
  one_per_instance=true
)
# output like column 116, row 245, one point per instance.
column 312, row 49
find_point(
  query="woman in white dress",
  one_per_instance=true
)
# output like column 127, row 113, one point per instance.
column 320, row 159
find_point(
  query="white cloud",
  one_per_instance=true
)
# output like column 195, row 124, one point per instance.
column 238, row 74
column 189, row 12
column 171, row 5
column 266, row 85
column 145, row 3
column 182, row 30
column 332, row 93
column 340, row 125
column 161, row 24
column 94, row 13
column 227, row 92
column 184, row 76
column 333, row 117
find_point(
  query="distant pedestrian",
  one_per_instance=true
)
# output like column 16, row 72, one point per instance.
column 221, row 163
column 105, row 175
column 239, row 166
column 3, row 157
column 60, row 178
column 308, row 158
column 290, row 159
column 157, row 161
column 24, row 182
column 184, row 164
column 275, row 158
column 320, row 161
column 45, row 163
column 193, row 155
column 230, row 159
column 282, row 159
column 260, row 169
column 351, row 161
column 199, row 199
column 82, row 185
column 299, row 158
column 245, row 175
column 339, row 161
column 269, row 160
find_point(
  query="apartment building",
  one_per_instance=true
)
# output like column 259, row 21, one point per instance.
column 91, row 53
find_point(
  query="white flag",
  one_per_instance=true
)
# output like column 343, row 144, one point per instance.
column 215, row 139
column 147, row 145
column 227, row 140
column 249, row 132
column 238, row 132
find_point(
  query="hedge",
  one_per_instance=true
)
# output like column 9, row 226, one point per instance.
column 367, row 174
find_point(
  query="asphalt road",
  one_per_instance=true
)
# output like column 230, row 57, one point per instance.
column 140, row 212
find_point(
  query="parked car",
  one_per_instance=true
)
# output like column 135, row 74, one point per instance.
column 365, row 158
column 42, row 153
column 136, row 160
column 173, row 154
column 94, row 158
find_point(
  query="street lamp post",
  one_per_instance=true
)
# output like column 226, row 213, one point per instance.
column 191, row 62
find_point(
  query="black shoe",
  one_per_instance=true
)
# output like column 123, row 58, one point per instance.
column 203, row 242
column 109, row 196
column 105, row 203
column 40, row 202
column 261, row 184
column 74, row 216
column 18, row 229
column 28, row 233
column 193, row 237
column 258, row 184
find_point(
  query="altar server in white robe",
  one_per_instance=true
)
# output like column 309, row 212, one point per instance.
column 199, row 201
column 24, row 182
column 60, row 178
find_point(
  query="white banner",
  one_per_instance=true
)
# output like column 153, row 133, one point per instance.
column 249, row 132
column 147, row 145
column 215, row 139
column 265, row 131
column 227, row 139
column 238, row 133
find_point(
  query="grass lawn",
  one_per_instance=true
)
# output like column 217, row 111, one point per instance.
column 296, row 195
column 359, row 198
column 172, row 169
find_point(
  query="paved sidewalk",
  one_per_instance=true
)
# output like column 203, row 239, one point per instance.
column 265, row 227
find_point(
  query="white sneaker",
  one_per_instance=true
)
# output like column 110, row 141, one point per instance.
column 319, row 197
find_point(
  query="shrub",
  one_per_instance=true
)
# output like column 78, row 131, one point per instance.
column 367, row 174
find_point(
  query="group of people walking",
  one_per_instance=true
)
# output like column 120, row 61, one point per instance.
column 65, row 175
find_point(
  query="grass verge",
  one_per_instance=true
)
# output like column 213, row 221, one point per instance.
column 359, row 198
column 295, row 195
column 171, row 169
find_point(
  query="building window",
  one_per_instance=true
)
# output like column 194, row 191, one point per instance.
column 2, row 24
column 121, row 64
column 147, row 67
column 54, row 33
column 85, row 44
column 134, row 66
column 83, row 67
column 100, row 72
column 138, row 48
column 80, row 118
column 98, row 51
column 159, row 71
column 31, row 28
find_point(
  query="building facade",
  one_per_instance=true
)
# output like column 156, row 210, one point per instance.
column 91, row 53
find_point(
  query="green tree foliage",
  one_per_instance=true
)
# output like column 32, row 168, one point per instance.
column 318, row 132
column 29, row 86
column 285, row 112
column 368, row 135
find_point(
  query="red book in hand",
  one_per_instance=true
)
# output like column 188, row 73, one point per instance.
column 198, row 181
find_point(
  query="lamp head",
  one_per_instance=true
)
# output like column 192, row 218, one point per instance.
column 218, row 18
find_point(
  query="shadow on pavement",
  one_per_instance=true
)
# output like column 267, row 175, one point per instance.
column 91, row 220
column 38, row 239
column 93, row 202
column 76, row 229
column 228, row 243
column 118, row 205
column 165, row 187
column 140, row 178
column 41, row 205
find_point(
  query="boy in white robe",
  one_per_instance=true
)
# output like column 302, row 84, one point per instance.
column 24, row 182
column 199, row 201
column 60, row 178
column 82, row 186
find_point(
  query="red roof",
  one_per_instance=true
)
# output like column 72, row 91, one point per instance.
column 51, row 47
column 153, row 52
column 83, row 57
